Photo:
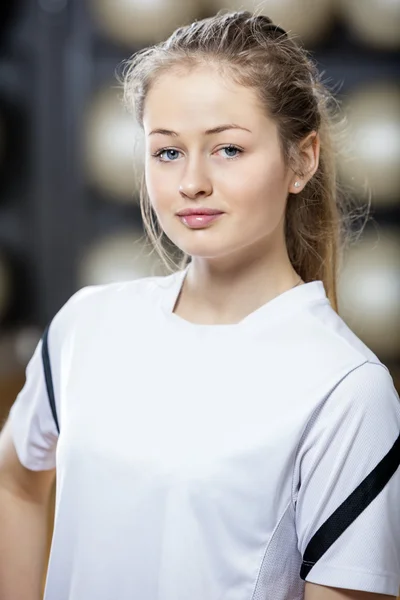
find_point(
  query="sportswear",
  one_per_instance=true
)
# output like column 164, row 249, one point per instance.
column 212, row 462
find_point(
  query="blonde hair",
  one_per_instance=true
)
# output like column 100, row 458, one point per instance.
column 255, row 53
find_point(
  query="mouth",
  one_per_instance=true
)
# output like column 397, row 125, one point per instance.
column 199, row 220
column 201, row 210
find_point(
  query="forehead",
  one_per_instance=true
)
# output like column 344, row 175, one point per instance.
column 179, row 97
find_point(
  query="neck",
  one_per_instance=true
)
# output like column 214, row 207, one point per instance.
column 216, row 294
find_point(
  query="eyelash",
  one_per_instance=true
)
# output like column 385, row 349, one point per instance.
column 230, row 146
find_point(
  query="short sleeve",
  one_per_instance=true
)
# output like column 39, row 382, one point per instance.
column 347, row 486
column 32, row 424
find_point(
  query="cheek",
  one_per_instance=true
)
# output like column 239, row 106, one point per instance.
column 260, row 191
column 158, row 188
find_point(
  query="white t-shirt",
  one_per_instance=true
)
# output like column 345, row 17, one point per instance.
column 213, row 462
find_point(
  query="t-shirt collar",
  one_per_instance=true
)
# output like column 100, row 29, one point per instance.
column 287, row 302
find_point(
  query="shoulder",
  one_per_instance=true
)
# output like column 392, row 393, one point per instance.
column 112, row 300
column 372, row 386
column 329, row 336
column 364, row 402
column 323, row 351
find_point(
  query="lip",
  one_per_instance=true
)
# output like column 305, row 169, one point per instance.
column 198, row 211
column 198, row 221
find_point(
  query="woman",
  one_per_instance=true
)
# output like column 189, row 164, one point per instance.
column 218, row 432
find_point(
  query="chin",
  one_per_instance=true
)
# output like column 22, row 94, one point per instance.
column 200, row 248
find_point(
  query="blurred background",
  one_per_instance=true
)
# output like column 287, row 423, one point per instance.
column 69, row 212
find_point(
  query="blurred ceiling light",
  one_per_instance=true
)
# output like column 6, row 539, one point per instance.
column 369, row 291
column 114, row 147
column 375, row 22
column 122, row 256
column 372, row 153
column 139, row 22
column 309, row 19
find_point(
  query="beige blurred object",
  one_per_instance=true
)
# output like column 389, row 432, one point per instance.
column 17, row 348
column 369, row 291
column 5, row 285
column 308, row 19
column 121, row 256
column 114, row 147
column 376, row 22
column 372, row 154
column 142, row 22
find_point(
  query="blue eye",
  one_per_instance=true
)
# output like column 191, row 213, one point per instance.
column 230, row 148
column 160, row 152
column 234, row 148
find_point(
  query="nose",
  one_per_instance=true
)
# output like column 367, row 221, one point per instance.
column 195, row 184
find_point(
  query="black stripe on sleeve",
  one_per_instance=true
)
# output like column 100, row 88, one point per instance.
column 48, row 375
column 350, row 509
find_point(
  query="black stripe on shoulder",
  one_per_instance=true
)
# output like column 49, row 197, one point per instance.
column 350, row 509
column 48, row 375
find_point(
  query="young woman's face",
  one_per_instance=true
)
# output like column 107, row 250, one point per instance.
column 238, row 171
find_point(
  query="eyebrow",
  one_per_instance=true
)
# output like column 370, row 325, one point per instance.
column 212, row 131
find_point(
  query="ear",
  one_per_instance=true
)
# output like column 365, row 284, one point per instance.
column 308, row 152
